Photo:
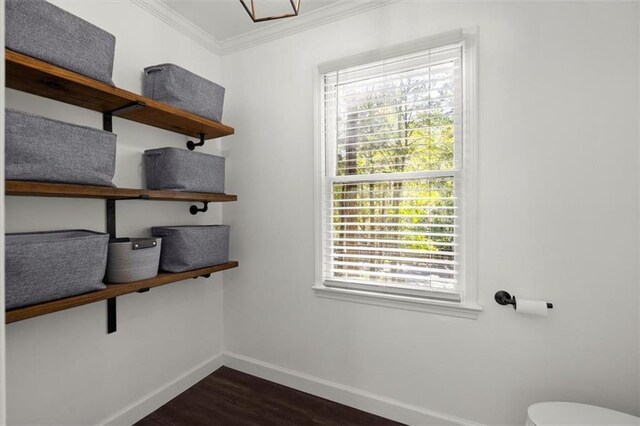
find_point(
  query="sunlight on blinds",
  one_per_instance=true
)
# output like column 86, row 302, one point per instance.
column 392, row 135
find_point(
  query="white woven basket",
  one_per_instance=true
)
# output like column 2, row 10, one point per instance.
column 133, row 259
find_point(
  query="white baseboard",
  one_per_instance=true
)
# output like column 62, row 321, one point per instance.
column 346, row 395
column 158, row 397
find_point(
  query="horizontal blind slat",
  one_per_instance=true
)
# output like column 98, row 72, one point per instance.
column 373, row 232
column 449, row 262
column 356, row 77
column 450, row 110
column 416, row 226
column 410, row 277
column 444, row 96
column 331, row 104
column 398, row 242
column 356, row 112
column 430, row 129
column 405, row 123
column 345, row 248
column 346, row 200
column 405, row 267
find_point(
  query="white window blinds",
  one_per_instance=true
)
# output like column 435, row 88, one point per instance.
column 392, row 137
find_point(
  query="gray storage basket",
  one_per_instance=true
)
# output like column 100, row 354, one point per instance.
column 41, row 149
column 133, row 259
column 183, row 89
column 186, row 248
column 44, row 266
column 41, row 30
column 181, row 170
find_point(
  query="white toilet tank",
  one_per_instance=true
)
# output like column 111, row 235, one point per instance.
column 571, row 413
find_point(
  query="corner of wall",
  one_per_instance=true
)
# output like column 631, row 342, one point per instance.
column 155, row 399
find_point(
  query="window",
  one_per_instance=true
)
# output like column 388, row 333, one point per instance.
column 393, row 171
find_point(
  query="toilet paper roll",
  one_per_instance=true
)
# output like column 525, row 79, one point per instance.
column 532, row 307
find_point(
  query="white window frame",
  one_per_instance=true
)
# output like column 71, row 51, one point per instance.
column 466, row 182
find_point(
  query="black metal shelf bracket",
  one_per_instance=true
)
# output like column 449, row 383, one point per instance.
column 107, row 117
column 191, row 145
column 112, row 321
column 111, row 230
column 107, row 124
column 111, row 218
column 195, row 210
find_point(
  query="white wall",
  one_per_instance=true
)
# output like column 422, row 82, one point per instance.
column 63, row 368
column 2, row 326
column 558, row 211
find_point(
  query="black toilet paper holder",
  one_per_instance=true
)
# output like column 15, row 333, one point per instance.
column 504, row 298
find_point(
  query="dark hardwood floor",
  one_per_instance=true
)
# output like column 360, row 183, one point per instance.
column 229, row 397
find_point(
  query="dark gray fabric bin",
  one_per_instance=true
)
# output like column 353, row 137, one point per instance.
column 183, row 89
column 44, row 266
column 45, row 150
column 44, row 31
column 133, row 259
column 185, row 248
column 181, row 170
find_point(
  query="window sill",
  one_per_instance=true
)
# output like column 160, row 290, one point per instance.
column 452, row 309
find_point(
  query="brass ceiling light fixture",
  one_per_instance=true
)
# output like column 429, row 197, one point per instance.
column 295, row 4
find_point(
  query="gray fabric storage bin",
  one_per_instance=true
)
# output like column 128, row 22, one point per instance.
column 181, row 170
column 183, row 89
column 185, row 248
column 44, row 266
column 133, row 259
column 41, row 149
column 44, row 31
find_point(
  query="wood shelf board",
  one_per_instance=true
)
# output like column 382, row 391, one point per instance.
column 40, row 78
column 112, row 290
column 45, row 189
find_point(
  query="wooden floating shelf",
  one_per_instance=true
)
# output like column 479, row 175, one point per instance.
column 112, row 290
column 40, row 78
column 43, row 189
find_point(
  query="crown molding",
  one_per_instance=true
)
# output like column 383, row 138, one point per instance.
column 339, row 10
column 170, row 17
column 331, row 13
